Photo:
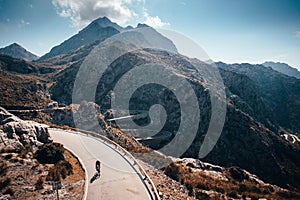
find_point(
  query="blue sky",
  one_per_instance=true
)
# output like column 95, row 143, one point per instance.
column 228, row 30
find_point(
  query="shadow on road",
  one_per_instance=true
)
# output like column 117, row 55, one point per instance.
column 95, row 177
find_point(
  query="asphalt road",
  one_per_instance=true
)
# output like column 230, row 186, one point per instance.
column 119, row 178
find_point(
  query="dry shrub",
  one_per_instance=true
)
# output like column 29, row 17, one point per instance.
column 39, row 183
column 61, row 170
column 50, row 153
column 197, row 181
column 9, row 191
column 4, row 183
column 3, row 168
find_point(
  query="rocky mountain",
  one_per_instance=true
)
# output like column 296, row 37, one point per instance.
column 278, row 93
column 17, row 51
column 283, row 68
column 261, row 125
column 79, row 45
column 98, row 30
column 245, row 141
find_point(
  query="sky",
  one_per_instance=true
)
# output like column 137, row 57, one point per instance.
column 231, row 31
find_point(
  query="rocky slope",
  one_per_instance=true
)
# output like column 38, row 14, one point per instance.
column 245, row 141
column 279, row 93
column 22, row 67
column 17, row 51
column 23, row 85
column 22, row 174
column 187, row 178
column 207, row 181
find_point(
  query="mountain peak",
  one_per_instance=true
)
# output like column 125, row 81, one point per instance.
column 142, row 25
column 17, row 51
column 15, row 45
column 103, row 20
column 99, row 29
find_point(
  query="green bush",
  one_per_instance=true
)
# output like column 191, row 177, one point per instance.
column 50, row 153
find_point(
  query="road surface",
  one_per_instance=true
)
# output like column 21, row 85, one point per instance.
column 119, row 179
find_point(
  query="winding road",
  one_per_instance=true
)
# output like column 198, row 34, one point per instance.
column 119, row 177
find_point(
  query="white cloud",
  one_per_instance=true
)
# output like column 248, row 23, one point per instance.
column 154, row 21
column 298, row 34
column 82, row 12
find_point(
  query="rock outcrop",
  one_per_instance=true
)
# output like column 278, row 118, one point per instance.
column 15, row 133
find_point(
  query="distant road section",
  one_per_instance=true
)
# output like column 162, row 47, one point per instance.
column 119, row 178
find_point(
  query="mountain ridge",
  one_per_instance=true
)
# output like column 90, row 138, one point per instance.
column 283, row 68
column 98, row 30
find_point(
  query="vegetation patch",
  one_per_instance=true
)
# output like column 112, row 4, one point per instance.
column 238, row 184
column 50, row 153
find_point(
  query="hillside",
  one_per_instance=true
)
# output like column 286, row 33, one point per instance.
column 280, row 93
column 246, row 115
column 23, row 85
column 187, row 178
column 24, row 172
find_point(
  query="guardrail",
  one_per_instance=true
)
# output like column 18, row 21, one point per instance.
column 144, row 176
